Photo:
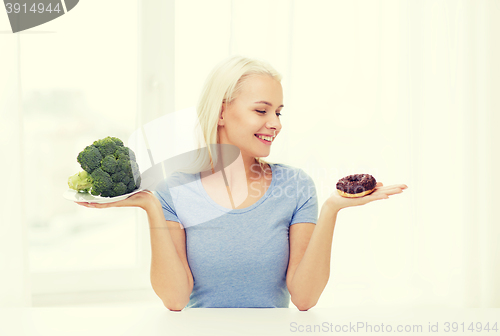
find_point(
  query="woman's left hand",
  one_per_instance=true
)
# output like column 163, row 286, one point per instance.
column 381, row 192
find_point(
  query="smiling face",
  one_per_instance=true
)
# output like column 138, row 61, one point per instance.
column 255, row 110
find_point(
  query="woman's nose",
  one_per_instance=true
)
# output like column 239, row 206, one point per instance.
column 275, row 124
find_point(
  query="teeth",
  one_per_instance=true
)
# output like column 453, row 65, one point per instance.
column 265, row 138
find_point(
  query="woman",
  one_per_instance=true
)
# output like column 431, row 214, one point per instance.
column 248, row 234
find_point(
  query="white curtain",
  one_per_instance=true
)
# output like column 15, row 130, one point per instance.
column 14, row 270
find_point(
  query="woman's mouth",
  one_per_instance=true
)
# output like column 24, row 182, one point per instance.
column 267, row 142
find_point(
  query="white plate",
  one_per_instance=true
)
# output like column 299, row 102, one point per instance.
column 73, row 195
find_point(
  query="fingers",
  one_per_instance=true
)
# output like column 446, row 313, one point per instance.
column 378, row 197
column 393, row 191
column 385, row 192
column 391, row 187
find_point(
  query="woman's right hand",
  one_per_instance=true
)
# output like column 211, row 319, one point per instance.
column 143, row 199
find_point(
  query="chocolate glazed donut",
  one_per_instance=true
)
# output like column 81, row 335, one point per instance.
column 357, row 185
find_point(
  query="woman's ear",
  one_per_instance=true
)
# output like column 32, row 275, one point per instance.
column 220, row 122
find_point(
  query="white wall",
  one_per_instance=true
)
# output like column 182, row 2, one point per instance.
column 14, row 275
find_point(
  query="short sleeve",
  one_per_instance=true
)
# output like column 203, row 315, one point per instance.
column 307, row 200
column 163, row 194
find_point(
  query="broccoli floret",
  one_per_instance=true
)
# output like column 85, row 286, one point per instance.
column 101, row 181
column 90, row 158
column 118, row 177
column 109, row 164
column 124, row 164
column 119, row 189
column 121, row 151
column 131, row 186
column 117, row 141
column 125, row 151
column 121, row 176
column 110, row 169
column 106, row 146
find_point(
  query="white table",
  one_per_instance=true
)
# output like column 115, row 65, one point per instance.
column 135, row 321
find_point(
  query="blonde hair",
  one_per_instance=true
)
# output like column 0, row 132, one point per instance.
column 223, row 85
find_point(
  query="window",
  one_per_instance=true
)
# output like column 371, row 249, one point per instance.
column 76, row 88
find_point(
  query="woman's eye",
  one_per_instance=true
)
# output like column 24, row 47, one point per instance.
column 278, row 114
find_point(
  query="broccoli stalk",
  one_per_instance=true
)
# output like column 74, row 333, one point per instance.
column 80, row 182
column 109, row 169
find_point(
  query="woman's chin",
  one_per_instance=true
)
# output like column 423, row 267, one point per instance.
column 260, row 154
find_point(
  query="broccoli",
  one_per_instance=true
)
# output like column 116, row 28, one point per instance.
column 108, row 169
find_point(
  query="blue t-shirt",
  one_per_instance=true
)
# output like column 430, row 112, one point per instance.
column 239, row 257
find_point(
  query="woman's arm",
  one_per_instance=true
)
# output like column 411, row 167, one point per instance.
column 169, row 274
column 311, row 275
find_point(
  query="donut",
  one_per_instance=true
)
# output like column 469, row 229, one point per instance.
column 357, row 185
